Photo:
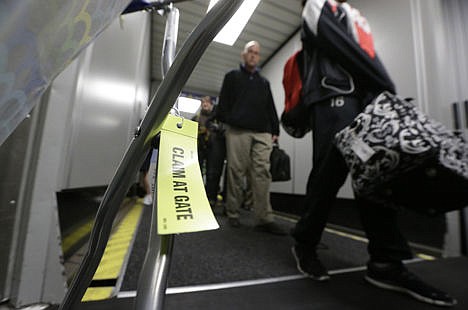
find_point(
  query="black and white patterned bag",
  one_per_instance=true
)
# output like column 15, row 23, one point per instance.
column 398, row 156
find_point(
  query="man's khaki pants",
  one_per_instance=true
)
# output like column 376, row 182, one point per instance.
column 248, row 155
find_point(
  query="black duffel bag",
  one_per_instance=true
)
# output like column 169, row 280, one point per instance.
column 399, row 157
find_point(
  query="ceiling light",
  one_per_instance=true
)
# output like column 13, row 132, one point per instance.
column 231, row 31
column 188, row 105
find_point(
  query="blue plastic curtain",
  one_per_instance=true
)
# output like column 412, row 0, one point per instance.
column 38, row 39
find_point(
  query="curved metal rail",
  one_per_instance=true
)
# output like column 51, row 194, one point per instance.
column 161, row 103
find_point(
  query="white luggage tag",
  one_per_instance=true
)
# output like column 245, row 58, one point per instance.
column 362, row 149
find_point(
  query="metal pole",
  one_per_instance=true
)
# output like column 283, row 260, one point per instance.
column 170, row 42
column 151, row 289
column 161, row 103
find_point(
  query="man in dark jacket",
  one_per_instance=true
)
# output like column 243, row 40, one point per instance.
column 347, row 74
column 246, row 106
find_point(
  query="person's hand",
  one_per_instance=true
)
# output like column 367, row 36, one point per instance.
column 274, row 138
column 213, row 127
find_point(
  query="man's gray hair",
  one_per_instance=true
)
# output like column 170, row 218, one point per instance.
column 249, row 44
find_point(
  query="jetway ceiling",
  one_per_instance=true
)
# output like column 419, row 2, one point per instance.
column 272, row 24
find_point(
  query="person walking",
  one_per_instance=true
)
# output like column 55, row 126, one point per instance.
column 247, row 109
column 345, row 75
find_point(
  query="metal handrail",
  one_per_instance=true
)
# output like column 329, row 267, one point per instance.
column 151, row 6
column 161, row 103
column 170, row 39
column 152, row 283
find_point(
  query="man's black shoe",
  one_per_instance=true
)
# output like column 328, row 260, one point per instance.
column 308, row 263
column 271, row 228
column 234, row 222
column 395, row 276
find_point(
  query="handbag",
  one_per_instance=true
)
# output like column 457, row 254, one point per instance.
column 399, row 157
column 280, row 164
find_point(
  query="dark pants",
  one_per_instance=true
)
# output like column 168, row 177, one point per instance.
column 328, row 174
column 215, row 157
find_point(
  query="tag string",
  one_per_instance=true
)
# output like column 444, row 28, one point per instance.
column 176, row 112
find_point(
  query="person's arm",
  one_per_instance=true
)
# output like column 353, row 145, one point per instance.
column 212, row 122
column 325, row 31
column 273, row 115
column 225, row 98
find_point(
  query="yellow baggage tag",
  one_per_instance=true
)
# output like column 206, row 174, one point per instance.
column 181, row 198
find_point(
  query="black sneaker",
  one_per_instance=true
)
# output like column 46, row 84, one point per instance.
column 234, row 222
column 395, row 276
column 308, row 263
column 271, row 228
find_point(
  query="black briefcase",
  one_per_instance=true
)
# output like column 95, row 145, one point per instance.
column 280, row 165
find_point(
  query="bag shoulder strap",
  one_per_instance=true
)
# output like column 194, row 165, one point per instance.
column 308, row 67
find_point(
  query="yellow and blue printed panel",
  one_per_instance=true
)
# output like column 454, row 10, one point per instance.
column 38, row 39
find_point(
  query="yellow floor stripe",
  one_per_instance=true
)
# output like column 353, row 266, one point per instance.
column 117, row 247
column 97, row 293
column 358, row 238
column 346, row 235
column 77, row 235
column 114, row 254
column 425, row 256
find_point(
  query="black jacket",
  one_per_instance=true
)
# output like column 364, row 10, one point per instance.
column 246, row 102
column 336, row 63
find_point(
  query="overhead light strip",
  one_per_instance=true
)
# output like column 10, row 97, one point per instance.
column 189, row 105
column 231, row 31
